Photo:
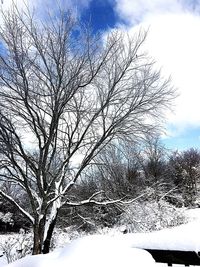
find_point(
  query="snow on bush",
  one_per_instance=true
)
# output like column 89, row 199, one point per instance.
column 150, row 216
column 62, row 236
column 6, row 217
column 16, row 246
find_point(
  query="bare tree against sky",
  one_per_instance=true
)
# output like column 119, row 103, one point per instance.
column 71, row 94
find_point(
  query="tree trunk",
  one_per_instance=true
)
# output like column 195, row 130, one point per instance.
column 38, row 232
column 37, row 246
column 47, row 241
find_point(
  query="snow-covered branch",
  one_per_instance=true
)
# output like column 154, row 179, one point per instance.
column 92, row 201
column 12, row 201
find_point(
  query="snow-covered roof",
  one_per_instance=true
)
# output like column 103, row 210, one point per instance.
column 183, row 238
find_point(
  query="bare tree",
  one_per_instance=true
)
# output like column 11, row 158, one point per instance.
column 65, row 94
column 117, row 170
column 184, row 170
column 154, row 156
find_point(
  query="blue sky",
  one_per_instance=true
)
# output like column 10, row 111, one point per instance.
column 187, row 139
column 173, row 41
column 101, row 15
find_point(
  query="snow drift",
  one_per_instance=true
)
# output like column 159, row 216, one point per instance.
column 90, row 251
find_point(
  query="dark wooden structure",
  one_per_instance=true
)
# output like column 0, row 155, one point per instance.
column 171, row 257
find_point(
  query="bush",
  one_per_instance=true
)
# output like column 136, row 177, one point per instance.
column 16, row 246
column 150, row 216
column 89, row 218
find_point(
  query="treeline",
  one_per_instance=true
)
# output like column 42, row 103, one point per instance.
column 147, row 173
column 144, row 173
column 123, row 171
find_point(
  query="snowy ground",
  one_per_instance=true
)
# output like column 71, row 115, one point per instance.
column 118, row 250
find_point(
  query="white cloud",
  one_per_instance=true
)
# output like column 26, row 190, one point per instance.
column 42, row 5
column 174, row 42
column 137, row 10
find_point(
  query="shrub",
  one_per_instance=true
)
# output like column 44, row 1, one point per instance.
column 150, row 216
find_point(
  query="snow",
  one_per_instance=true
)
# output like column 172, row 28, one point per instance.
column 90, row 251
column 3, row 261
column 183, row 238
column 119, row 250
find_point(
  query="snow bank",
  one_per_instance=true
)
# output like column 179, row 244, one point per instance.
column 90, row 251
